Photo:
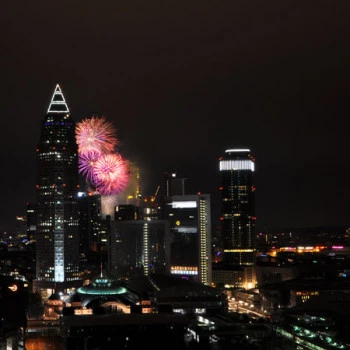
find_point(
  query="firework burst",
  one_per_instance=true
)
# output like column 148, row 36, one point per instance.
column 86, row 165
column 111, row 174
column 104, row 169
column 95, row 134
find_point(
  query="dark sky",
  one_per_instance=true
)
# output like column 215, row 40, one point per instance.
column 182, row 81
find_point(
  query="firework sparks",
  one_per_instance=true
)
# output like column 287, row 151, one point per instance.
column 86, row 165
column 111, row 174
column 95, row 134
column 104, row 169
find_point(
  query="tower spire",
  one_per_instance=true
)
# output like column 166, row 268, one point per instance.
column 58, row 103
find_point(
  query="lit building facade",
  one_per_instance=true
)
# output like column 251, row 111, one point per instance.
column 238, row 265
column 238, row 207
column 57, row 238
column 190, row 227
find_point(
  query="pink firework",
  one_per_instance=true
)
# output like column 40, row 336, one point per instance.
column 86, row 165
column 95, row 134
column 111, row 174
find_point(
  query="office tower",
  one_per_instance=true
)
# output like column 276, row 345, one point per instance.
column 238, row 206
column 21, row 227
column 126, row 212
column 31, row 221
column 139, row 247
column 237, row 219
column 190, row 226
column 139, row 241
column 89, row 221
column 57, row 254
column 172, row 185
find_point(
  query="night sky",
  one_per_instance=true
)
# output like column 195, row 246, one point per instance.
column 182, row 81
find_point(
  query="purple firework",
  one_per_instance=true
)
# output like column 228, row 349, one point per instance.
column 86, row 165
column 111, row 174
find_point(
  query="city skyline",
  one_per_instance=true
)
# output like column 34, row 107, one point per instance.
column 182, row 85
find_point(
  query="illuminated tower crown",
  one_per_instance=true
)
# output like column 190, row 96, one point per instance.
column 58, row 103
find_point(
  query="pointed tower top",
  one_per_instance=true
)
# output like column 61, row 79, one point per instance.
column 58, row 103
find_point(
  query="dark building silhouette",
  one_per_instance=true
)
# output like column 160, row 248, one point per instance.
column 89, row 222
column 173, row 185
column 57, row 247
column 13, row 304
column 31, row 221
column 139, row 246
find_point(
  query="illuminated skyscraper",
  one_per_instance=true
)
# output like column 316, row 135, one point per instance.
column 190, row 227
column 57, row 237
column 238, row 207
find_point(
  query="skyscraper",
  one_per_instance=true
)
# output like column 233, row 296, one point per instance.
column 57, row 237
column 190, row 226
column 238, row 207
column 237, row 267
column 31, row 221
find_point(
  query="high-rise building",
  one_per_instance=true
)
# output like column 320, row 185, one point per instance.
column 189, row 217
column 139, row 247
column 237, row 268
column 89, row 222
column 21, row 227
column 31, row 221
column 173, row 185
column 238, row 206
column 57, row 238
column 190, row 227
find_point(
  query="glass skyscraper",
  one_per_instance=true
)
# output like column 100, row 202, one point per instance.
column 238, row 207
column 57, row 237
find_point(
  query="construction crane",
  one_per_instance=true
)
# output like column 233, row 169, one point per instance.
column 155, row 194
